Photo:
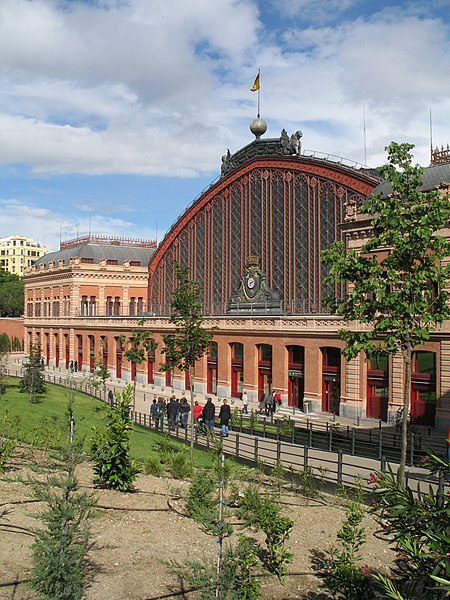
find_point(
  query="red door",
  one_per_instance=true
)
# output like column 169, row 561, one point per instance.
column 296, row 392
column 377, row 400
column 150, row 363
column 423, row 403
column 330, row 394
column 236, row 379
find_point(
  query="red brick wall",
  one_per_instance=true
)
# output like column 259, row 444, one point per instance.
column 13, row 327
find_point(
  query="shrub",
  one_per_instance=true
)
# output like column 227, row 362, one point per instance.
column 5, row 344
column 7, row 447
column 181, row 465
column 277, row 530
column 110, row 449
column 200, row 494
column 343, row 577
column 152, row 466
column 60, row 551
column 419, row 525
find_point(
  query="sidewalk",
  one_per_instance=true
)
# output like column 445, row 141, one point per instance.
column 146, row 392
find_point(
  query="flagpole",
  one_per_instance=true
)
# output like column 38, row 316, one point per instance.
column 259, row 93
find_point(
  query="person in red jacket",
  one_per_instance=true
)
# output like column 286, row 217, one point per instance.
column 197, row 411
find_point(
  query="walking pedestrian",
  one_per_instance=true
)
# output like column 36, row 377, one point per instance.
column 160, row 413
column 269, row 403
column 172, row 413
column 197, row 411
column 262, row 404
column 244, row 402
column 224, row 416
column 184, row 412
column 276, row 400
column 208, row 414
column 153, row 412
column 110, row 398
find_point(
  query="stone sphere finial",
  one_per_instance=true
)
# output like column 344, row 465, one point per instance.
column 258, row 127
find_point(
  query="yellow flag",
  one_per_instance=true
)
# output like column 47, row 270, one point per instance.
column 255, row 85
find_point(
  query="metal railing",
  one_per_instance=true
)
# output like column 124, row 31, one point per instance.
column 333, row 454
column 301, row 306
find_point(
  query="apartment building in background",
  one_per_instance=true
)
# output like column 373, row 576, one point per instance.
column 18, row 252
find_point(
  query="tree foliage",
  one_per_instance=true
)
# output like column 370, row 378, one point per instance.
column 11, row 294
column 419, row 526
column 99, row 375
column 110, row 448
column 398, row 279
column 60, row 564
column 139, row 345
column 190, row 340
column 33, row 374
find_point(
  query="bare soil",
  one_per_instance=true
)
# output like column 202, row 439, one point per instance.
column 135, row 533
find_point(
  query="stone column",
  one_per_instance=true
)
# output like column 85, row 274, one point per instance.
column 313, row 378
column 280, row 362
column 201, row 369
column 223, row 368
column 251, row 370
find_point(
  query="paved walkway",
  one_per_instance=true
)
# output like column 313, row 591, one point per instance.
column 331, row 467
column 146, row 392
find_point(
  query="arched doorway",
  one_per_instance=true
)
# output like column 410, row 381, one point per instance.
column 91, row 353
column 423, row 388
column 237, row 369
column 47, row 349
column 331, row 380
column 151, row 364
column 67, row 349
column 119, row 351
column 211, row 381
column 56, row 335
column 264, row 369
column 378, row 387
column 296, row 376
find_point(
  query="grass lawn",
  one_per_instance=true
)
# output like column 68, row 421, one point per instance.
column 45, row 424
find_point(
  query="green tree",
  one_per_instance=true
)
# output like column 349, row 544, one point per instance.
column 99, row 375
column 190, row 340
column 110, row 448
column 11, row 294
column 5, row 343
column 60, row 565
column 33, row 375
column 4, row 357
column 140, row 346
column 418, row 526
column 398, row 279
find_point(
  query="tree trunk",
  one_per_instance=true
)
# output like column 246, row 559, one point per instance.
column 191, row 389
column 407, row 356
column 133, row 412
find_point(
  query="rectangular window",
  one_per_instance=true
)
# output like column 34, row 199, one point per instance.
column 109, row 306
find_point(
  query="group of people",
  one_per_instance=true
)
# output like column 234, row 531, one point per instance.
column 177, row 410
column 269, row 402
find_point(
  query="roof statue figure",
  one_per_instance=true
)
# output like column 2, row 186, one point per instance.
column 291, row 145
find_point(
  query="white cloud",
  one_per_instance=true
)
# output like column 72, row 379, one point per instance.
column 156, row 87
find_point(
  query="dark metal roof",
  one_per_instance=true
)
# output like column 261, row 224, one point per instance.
column 432, row 177
column 97, row 252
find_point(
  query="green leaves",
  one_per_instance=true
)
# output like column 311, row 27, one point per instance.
column 190, row 340
column 110, row 448
column 396, row 283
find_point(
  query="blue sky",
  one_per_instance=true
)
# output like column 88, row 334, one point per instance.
column 114, row 114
